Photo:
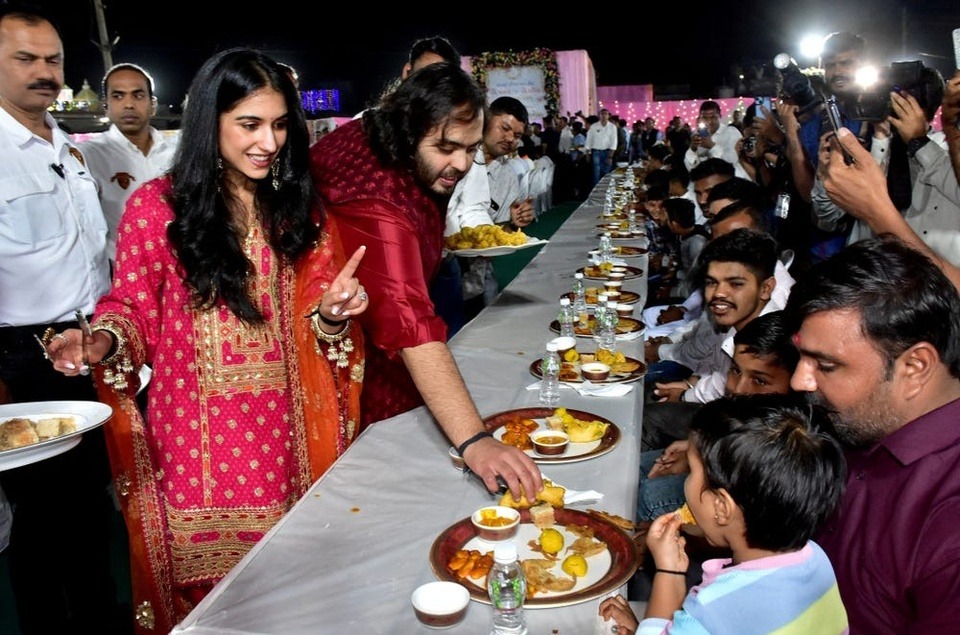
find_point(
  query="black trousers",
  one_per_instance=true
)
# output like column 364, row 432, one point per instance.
column 59, row 546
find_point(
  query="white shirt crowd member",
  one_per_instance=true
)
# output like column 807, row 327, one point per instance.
column 600, row 137
column 724, row 147
column 120, row 168
column 53, row 235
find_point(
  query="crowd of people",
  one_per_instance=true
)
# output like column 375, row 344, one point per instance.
column 257, row 300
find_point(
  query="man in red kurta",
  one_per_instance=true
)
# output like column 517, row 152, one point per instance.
column 387, row 179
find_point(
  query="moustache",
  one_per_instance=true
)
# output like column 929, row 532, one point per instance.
column 44, row 84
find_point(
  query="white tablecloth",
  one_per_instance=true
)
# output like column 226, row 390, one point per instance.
column 348, row 556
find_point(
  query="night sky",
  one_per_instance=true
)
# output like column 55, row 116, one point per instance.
column 359, row 53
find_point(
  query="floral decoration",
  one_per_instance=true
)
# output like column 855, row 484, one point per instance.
column 542, row 57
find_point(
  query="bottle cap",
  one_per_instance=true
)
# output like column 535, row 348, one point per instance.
column 552, row 346
column 611, row 304
column 505, row 552
column 564, row 301
column 578, row 276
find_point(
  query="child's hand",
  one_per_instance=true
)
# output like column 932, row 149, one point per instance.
column 666, row 543
column 618, row 609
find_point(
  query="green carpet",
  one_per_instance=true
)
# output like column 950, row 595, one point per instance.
column 507, row 267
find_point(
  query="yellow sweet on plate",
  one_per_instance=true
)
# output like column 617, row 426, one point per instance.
column 551, row 540
column 585, row 431
column 575, row 565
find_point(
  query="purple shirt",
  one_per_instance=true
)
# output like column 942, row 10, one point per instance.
column 895, row 543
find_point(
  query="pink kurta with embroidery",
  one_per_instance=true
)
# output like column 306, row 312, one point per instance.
column 219, row 422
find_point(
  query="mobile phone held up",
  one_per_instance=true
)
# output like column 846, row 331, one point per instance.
column 761, row 103
column 702, row 130
column 833, row 116
column 956, row 46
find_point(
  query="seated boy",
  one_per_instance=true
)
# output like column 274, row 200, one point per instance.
column 763, row 476
column 764, row 358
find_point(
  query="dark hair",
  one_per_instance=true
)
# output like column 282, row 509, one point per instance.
column 432, row 96
column 679, row 174
column 841, row 42
column 30, row 12
column 738, row 189
column 903, row 298
column 124, row 66
column 435, row 44
column 711, row 166
column 659, row 151
column 681, row 211
column 758, row 218
column 208, row 247
column 710, row 105
column 754, row 250
column 929, row 93
column 767, row 336
column 509, row 106
column 775, row 458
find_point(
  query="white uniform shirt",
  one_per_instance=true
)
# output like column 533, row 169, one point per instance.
column 724, row 147
column 470, row 203
column 53, row 236
column 600, row 137
column 120, row 168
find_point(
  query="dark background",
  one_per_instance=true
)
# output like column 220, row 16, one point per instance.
column 683, row 49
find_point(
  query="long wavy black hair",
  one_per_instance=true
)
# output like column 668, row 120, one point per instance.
column 207, row 243
column 434, row 95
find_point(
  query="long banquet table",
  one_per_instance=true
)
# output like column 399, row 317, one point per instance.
column 350, row 553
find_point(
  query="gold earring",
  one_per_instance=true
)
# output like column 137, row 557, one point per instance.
column 275, row 172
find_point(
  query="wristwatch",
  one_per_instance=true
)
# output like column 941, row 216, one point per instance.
column 915, row 144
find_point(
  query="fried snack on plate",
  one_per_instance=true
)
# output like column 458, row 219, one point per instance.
column 619, row 521
column 551, row 494
column 540, row 578
column 470, row 564
column 686, row 516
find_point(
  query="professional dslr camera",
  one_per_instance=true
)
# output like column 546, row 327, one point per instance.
column 873, row 103
column 805, row 91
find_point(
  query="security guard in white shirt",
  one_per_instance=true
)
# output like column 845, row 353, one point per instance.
column 131, row 151
column 53, row 261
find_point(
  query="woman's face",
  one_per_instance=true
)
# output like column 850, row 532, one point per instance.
column 252, row 134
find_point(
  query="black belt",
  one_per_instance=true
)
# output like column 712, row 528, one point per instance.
column 15, row 336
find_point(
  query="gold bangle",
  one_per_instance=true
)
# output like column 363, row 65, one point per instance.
column 116, row 377
column 338, row 344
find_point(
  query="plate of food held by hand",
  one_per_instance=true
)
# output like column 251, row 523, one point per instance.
column 568, row 556
column 590, row 435
column 38, row 430
column 488, row 240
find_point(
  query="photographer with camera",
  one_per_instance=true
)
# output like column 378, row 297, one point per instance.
column 933, row 193
column 803, row 116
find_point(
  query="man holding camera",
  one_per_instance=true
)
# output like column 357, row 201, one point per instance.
column 803, row 121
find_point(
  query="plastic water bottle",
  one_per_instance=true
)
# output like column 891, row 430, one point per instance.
column 580, row 300
column 606, row 247
column 599, row 319
column 507, row 588
column 550, row 377
column 608, row 328
column 566, row 317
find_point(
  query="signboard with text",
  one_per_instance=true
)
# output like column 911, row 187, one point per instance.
column 523, row 82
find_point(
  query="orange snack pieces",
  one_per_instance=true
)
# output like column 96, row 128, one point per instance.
column 686, row 516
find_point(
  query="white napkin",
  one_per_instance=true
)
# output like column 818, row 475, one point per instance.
column 589, row 389
column 573, row 497
column 614, row 261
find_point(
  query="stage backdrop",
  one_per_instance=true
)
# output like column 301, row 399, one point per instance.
column 544, row 80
